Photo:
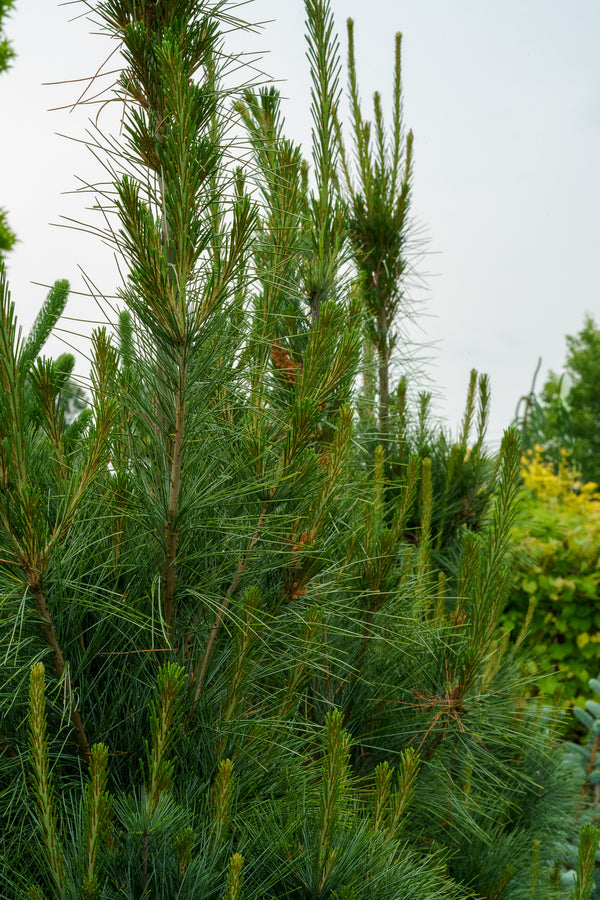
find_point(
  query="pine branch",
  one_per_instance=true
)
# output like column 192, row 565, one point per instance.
column 397, row 112
column 334, row 787
column 12, row 381
column 234, row 878
column 360, row 128
column 45, row 321
column 586, row 862
column 163, row 711
column 383, row 788
column 96, row 816
column 328, row 225
column 41, row 780
column 223, row 797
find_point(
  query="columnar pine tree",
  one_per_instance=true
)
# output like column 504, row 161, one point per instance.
column 244, row 652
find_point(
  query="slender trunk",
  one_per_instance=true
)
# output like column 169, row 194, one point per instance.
column 172, row 531
column 176, row 442
column 315, row 309
column 59, row 664
column 326, row 670
column 145, row 864
column 384, row 383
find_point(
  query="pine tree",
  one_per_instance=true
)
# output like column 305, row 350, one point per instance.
column 237, row 661
column 379, row 227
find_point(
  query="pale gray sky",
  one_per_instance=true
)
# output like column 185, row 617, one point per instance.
column 504, row 100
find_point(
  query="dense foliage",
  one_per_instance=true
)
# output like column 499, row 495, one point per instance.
column 250, row 620
column 556, row 596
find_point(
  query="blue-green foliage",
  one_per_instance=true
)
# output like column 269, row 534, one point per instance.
column 585, row 758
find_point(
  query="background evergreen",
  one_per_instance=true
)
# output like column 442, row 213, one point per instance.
column 7, row 53
column 566, row 413
column 251, row 597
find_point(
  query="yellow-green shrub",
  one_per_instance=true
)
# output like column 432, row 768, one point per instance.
column 556, row 598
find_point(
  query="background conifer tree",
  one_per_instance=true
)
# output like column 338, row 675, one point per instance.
column 7, row 53
column 565, row 414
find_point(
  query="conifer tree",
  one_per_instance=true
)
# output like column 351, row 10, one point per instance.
column 378, row 222
column 565, row 415
column 234, row 664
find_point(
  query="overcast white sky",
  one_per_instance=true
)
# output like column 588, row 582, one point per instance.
column 504, row 99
